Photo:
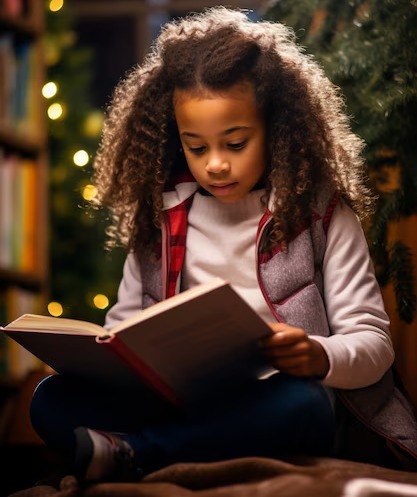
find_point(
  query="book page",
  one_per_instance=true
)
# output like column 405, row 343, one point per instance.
column 49, row 324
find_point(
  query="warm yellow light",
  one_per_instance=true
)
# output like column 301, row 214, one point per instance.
column 93, row 124
column 55, row 5
column 89, row 192
column 52, row 54
column 49, row 89
column 80, row 158
column 55, row 309
column 101, row 301
column 55, row 111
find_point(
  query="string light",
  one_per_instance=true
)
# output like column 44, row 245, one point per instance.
column 55, row 309
column 93, row 124
column 89, row 192
column 81, row 158
column 55, row 5
column 55, row 111
column 101, row 301
column 50, row 89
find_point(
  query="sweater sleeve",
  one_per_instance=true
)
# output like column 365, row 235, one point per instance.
column 129, row 297
column 359, row 348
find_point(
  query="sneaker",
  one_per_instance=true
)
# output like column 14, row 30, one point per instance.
column 103, row 456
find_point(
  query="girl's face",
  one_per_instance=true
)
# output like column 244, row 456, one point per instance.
column 223, row 136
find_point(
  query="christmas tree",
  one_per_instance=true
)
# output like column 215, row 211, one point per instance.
column 368, row 48
column 84, row 276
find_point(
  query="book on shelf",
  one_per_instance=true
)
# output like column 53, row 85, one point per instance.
column 19, row 205
column 16, row 361
column 7, row 71
column 181, row 348
column 19, row 112
column 7, row 212
column 12, row 8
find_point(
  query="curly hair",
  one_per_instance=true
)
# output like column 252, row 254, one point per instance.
column 309, row 140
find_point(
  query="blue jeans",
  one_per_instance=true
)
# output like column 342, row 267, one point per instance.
column 268, row 418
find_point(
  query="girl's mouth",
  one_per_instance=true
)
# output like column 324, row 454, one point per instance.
column 225, row 189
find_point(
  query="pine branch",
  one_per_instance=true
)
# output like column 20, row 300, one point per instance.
column 401, row 275
column 389, row 209
column 367, row 48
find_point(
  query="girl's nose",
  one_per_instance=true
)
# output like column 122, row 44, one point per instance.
column 217, row 164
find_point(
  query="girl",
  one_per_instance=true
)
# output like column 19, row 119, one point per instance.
column 228, row 153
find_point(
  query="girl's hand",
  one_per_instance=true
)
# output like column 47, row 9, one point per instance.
column 291, row 351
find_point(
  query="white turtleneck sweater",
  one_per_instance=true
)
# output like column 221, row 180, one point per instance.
column 221, row 242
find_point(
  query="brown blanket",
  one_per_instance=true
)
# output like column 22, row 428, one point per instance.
column 249, row 477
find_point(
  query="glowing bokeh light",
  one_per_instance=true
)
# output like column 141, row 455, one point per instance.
column 93, row 124
column 101, row 301
column 89, row 192
column 49, row 89
column 81, row 158
column 55, row 111
column 55, row 309
column 55, row 5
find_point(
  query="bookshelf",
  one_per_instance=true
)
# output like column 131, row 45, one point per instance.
column 23, row 176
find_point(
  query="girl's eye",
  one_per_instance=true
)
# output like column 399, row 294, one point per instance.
column 237, row 146
column 197, row 150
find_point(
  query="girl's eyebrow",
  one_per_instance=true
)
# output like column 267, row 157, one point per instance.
column 225, row 132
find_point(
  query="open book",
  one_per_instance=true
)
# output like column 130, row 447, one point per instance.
column 181, row 347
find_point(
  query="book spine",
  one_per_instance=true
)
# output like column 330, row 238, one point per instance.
column 12, row 8
column 7, row 184
column 17, row 70
column 7, row 72
column 141, row 369
column 29, row 200
column 19, row 360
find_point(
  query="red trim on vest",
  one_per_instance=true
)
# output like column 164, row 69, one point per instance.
column 180, row 176
column 177, row 221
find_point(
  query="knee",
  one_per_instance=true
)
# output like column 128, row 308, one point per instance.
column 46, row 397
column 310, row 396
column 305, row 400
column 312, row 393
column 46, row 391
